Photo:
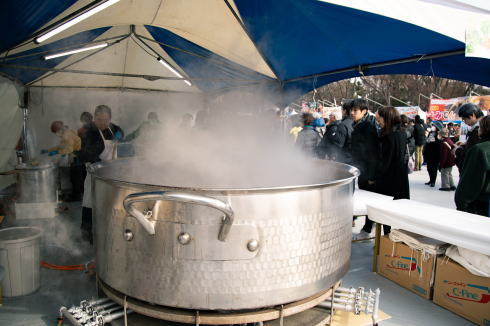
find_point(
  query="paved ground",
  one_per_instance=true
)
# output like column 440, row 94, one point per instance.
column 420, row 192
column 61, row 246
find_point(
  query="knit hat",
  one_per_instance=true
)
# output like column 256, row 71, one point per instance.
column 438, row 125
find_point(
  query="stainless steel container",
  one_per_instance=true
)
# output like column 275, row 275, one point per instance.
column 230, row 249
column 37, row 183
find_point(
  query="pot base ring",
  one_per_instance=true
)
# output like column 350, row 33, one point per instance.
column 196, row 317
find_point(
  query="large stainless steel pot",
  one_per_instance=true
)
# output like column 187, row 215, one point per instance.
column 37, row 183
column 210, row 248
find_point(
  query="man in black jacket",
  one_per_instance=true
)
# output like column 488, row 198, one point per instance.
column 347, row 122
column 365, row 146
column 420, row 140
column 333, row 141
column 99, row 145
column 471, row 115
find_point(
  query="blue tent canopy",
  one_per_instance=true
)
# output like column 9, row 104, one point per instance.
column 290, row 45
column 22, row 18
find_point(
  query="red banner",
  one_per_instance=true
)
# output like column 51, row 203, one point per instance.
column 446, row 109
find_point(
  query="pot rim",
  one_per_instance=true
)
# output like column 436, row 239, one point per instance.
column 92, row 169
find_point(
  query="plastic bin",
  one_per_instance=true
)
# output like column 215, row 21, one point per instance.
column 19, row 255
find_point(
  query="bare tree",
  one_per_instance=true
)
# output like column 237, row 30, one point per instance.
column 407, row 88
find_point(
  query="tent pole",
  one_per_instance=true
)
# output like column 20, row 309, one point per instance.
column 77, row 61
column 13, row 57
column 88, row 72
column 361, row 68
column 216, row 62
column 147, row 77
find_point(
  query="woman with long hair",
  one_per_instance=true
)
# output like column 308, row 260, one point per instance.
column 392, row 173
column 392, row 176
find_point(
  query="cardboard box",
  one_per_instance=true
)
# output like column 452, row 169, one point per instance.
column 407, row 267
column 461, row 292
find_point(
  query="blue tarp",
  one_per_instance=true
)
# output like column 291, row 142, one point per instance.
column 21, row 18
column 321, row 38
column 306, row 43
column 318, row 37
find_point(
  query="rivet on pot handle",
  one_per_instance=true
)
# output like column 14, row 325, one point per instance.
column 149, row 225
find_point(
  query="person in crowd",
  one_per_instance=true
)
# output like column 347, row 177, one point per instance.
column 473, row 191
column 69, row 140
column 420, row 139
column 187, row 120
column 100, row 146
column 471, row 115
column 296, row 122
column 405, row 126
column 392, row 172
column 447, row 161
column 457, row 133
column 151, row 123
column 365, row 151
column 432, row 152
column 319, row 123
column 308, row 138
column 86, row 119
column 333, row 141
column 201, row 121
column 452, row 131
column 69, row 146
column 347, row 122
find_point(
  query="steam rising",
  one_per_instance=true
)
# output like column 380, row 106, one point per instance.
column 230, row 146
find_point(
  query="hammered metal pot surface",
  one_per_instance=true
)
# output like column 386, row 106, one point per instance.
column 284, row 244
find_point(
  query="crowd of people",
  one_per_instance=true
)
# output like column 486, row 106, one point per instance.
column 382, row 145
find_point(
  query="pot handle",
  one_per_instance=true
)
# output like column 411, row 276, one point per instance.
column 149, row 225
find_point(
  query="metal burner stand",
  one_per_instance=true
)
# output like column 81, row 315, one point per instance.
column 301, row 312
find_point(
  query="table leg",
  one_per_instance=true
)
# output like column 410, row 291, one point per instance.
column 377, row 238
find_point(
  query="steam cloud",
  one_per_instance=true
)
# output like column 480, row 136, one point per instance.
column 230, row 146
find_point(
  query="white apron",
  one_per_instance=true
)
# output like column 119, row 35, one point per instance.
column 109, row 153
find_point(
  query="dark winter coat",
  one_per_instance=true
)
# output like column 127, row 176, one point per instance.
column 365, row 148
column 348, row 123
column 94, row 144
column 472, row 138
column 447, row 157
column 432, row 152
column 392, row 174
column 333, row 141
column 308, row 140
column 419, row 134
column 410, row 140
column 474, row 183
